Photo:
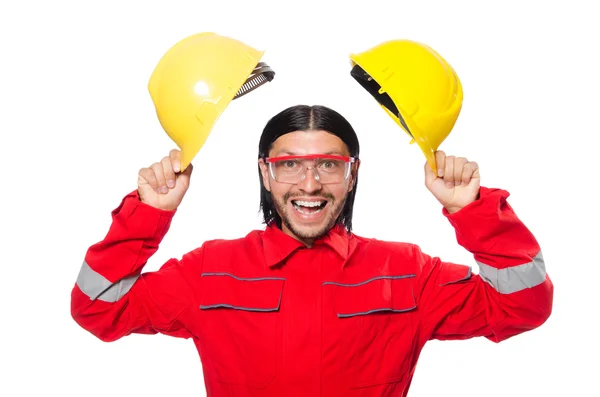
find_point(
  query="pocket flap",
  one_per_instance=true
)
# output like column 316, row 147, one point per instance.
column 225, row 290
column 378, row 294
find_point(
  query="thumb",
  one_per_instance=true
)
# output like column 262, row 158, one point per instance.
column 188, row 171
column 183, row 178
column 430, row 176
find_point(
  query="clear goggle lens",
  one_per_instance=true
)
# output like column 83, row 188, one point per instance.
column 326, row 169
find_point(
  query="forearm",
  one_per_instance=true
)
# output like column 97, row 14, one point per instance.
column 509, row 258
column 499, row 241
column 512, row 292
column 112, row 266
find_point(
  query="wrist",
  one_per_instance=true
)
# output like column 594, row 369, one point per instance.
column 452, row 210
column 155, row 204
column 457, row 206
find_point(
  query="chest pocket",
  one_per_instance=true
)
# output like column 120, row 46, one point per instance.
column 241, row 328
column 371, row 326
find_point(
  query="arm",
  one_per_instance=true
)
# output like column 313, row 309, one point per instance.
column 112, row 298
column 512, row 292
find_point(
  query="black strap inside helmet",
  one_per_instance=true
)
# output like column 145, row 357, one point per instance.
column 369, row 84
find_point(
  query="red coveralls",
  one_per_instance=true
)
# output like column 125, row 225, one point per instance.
column 347, row 317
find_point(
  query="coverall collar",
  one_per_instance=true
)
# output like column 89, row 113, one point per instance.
column 277, row 245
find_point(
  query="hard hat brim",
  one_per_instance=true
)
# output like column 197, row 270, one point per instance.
column 427, row 149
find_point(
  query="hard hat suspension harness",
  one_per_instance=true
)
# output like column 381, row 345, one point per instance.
column 369, row 84
column 261, row 74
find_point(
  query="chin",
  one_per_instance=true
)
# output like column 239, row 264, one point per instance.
column 309, row 232
column 309, row 219
column 312, row 231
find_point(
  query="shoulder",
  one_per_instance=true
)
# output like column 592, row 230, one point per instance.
column 221, row 245
column 371, row 245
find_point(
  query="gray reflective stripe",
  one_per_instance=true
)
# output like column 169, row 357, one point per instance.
column 242, row 278
column 385, row 309
column 515, row 278
column 369, row 280
column 248, row 309
column 96, row 286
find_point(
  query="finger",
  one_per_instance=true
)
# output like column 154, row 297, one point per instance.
column 449, row 172
column 175, row 156
column 429, row 175
column 470, row 171
column 440, row 160
column 160, row 177
column 459, row 163
column 168, row 171
column 148, row 176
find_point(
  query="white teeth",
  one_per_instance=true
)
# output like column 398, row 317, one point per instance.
column 308, row 203
column 299, row 205
column 300, row 210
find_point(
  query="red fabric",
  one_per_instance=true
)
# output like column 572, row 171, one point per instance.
column 347, row 317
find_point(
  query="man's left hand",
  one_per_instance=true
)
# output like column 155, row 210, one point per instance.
column 457, row 182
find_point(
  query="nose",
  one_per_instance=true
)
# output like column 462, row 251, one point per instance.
column 310, row 183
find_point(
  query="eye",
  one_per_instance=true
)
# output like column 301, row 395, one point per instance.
column 328, row 165
column 290, row 164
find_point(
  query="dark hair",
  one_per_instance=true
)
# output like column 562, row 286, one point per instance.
column 305, row 118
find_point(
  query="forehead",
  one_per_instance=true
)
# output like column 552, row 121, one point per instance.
column 309, row 142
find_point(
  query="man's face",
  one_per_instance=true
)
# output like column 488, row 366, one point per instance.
column 309, row 208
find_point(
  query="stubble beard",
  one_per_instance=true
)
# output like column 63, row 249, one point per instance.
column 315, row 232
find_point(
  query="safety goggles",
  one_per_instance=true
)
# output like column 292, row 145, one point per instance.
column 327, row 169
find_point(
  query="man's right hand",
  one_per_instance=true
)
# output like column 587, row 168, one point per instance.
column 161, row 185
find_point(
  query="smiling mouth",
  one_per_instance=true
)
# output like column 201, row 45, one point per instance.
column 309, row 207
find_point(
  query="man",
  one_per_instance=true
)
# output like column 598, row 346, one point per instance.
column 306, row 307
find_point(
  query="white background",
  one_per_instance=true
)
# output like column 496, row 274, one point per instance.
column 77, row 123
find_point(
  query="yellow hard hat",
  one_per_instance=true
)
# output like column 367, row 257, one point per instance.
column 194, row 82
column 418, row 89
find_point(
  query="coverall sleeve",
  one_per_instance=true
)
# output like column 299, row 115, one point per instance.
column 510, row 294
column 112, row 298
